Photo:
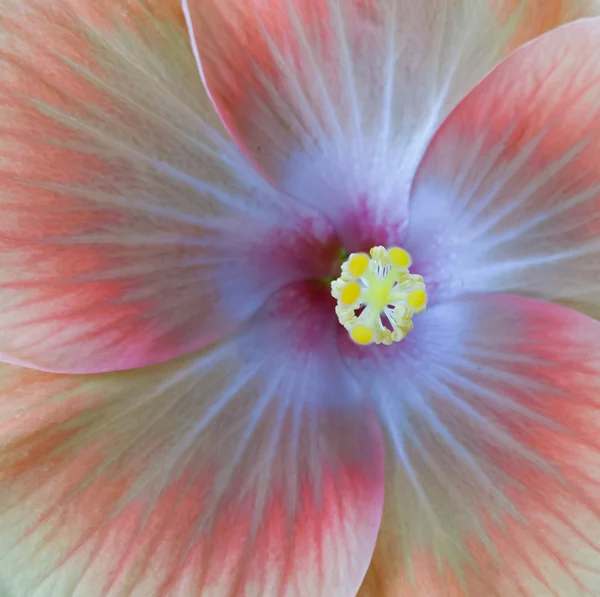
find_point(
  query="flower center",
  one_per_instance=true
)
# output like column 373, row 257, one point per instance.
column 377, row 296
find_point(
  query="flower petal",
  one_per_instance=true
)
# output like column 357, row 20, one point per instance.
column 336, row 100
column 508, row 195
column 232, row 471
column 540, row 16
column 131, row 228
column 492, row 410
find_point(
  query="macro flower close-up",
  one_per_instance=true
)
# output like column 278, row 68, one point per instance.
column 299, row 298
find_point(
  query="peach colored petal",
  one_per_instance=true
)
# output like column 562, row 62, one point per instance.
column 492, row 412
column 336, row 100
column 252, row 469
column 131, row 228
column 507, row 198
column 540, row 16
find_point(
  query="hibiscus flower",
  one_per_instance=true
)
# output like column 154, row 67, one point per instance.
column 298, row 291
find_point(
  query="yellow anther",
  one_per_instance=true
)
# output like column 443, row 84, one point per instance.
column 417, row 299
column 358, row 264
column 350, row 293
column 362, row 334
column 400, row 257
column 385, row 291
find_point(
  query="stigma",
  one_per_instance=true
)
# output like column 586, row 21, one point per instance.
column 377, row 296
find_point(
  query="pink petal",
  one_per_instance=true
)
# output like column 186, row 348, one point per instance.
column 508, row 195
column 492, row 408
column 131, row 228
column 336, row 100
column 251, row 469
